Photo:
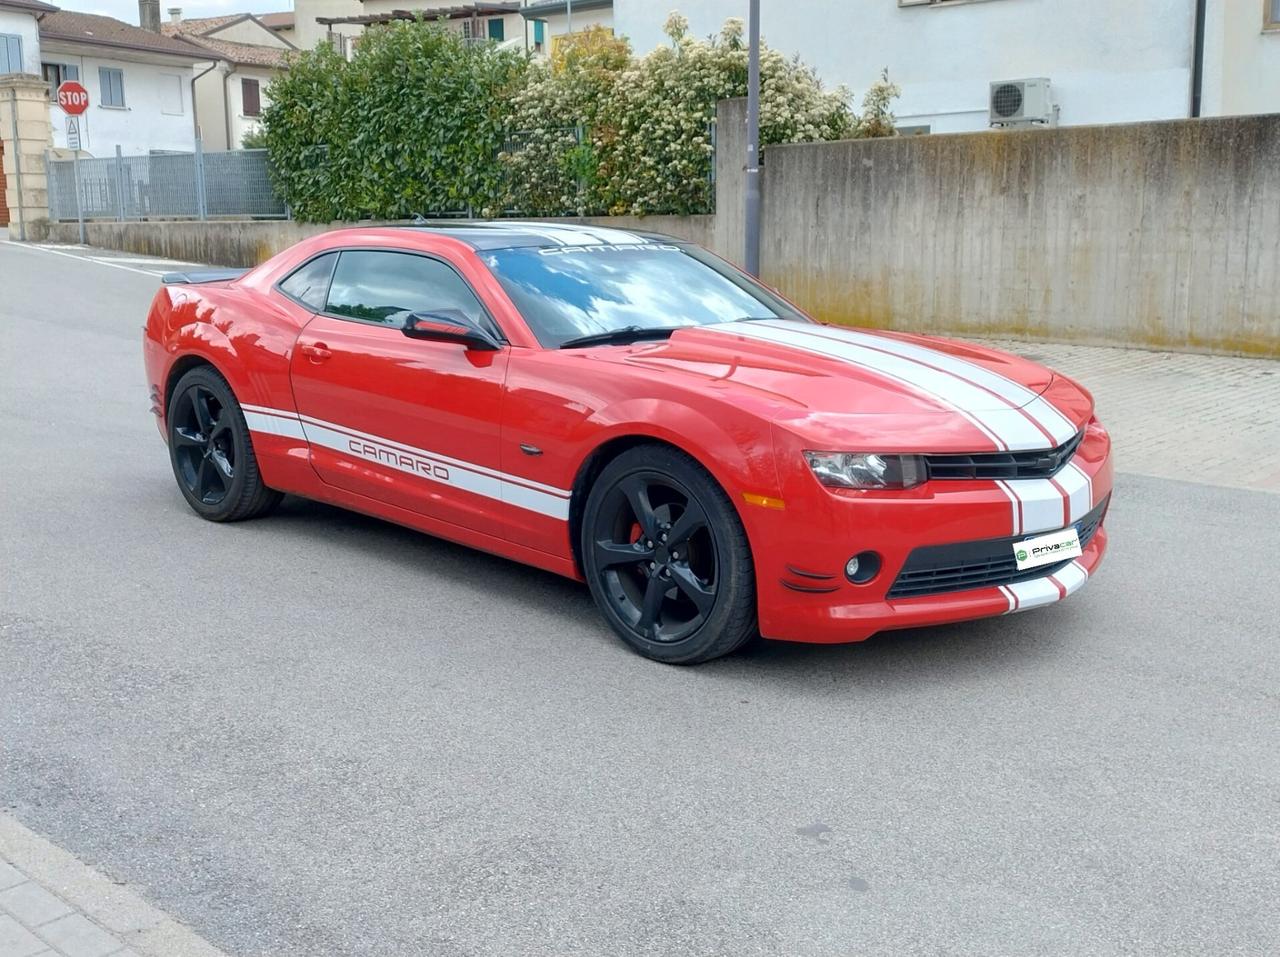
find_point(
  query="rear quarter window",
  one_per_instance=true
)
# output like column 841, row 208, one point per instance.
column 308, row 285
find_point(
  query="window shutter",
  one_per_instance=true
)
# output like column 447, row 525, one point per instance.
column 497, row 29
column 539, row 31
column 10, row 54
column 252, row 102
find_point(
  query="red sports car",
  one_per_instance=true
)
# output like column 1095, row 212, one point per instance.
column 629, row 410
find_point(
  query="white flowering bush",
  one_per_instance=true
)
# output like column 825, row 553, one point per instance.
column 605, row 132
column 552, row 163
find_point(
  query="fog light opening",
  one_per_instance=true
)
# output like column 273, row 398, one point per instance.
column 862, row 567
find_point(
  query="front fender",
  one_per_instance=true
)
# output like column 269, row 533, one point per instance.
column 738, row 454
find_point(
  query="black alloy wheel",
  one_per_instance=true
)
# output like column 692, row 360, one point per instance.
column 204, row 452
column 667, row 559
column 211, row 450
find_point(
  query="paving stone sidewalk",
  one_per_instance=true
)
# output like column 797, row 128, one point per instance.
column 1208, row 419
column 52, row 905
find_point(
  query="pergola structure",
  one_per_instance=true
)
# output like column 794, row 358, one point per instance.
column 462, row 11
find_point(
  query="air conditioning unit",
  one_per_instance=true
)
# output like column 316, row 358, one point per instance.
column 1021, row 102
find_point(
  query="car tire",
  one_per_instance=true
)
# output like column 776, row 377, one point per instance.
column 211, row 450
column 667, row 559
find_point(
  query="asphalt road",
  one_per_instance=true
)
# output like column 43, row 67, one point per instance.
column 321, row 734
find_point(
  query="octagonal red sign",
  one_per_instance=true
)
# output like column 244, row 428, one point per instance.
column 73, row 97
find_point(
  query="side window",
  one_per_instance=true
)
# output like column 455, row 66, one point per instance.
column 309, row 284
column 382, row 287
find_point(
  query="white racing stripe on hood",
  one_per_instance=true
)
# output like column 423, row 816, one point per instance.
column 1014, row 393
column 1008, row 427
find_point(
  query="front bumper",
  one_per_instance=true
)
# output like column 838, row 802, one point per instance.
column 805, row 596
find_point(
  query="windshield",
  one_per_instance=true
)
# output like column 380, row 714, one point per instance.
column 566, row 292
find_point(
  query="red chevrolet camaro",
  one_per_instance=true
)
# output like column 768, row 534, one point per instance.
column 629, row 410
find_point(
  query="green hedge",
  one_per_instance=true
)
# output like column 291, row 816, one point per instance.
column 421, row 122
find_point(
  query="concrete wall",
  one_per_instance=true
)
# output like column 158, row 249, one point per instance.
column 1164, row 235
column 239, row 243
column 1109, row 62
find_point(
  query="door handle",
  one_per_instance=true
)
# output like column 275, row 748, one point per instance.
column 318, row 351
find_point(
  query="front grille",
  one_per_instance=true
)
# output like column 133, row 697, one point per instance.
column 1004, row 465
column 937, row 569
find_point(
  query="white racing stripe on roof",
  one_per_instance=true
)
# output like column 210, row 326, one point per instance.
column 1016, row 394
column 614, row 237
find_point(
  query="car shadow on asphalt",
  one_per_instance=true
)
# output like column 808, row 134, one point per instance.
column 1006, row 644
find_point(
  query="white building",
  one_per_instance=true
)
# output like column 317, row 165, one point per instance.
column 231, row 94
column 139, row 83
column 19, row 35
column 1106, row 61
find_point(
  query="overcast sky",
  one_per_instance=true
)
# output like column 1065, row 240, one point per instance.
column 127, row 10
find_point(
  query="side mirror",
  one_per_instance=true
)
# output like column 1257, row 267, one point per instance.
column 448, row 325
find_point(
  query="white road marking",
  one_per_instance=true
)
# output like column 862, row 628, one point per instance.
column 101, row 261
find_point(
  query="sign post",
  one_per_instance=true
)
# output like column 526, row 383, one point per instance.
column 74, row 100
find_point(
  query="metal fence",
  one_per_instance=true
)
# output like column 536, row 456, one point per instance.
column 163, row 185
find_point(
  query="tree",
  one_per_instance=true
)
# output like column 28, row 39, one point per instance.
column 412, row 124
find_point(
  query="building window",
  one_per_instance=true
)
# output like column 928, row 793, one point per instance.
column 112, row 83
column 250, row 97
column 171, row 95
column 497, row 29
column 55, row 74
column 539, row 34
column 10, row 53
column 1272, row 15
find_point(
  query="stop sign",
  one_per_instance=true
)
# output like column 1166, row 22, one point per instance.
column 73, row 97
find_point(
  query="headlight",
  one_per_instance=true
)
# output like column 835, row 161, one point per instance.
column 867, row 469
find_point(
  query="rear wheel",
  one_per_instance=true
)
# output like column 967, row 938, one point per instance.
column 667, row 559
column 212, row 452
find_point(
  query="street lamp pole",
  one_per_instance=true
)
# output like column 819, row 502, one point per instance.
column 751, row 260
column 568, row 10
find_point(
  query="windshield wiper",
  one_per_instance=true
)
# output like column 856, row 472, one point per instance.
column 619, row 336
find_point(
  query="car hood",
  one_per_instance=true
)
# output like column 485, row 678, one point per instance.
column 827, row 376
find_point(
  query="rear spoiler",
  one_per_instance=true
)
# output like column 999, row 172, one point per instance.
column 201, row 275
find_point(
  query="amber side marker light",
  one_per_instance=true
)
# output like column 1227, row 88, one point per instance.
column 764, row 501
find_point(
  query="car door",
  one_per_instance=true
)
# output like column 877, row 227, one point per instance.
column 408, row 422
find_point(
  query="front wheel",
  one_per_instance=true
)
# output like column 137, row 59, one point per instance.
column 667, row 559
column 212, row 452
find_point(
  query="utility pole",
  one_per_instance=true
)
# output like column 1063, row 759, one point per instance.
column 751, row 259
column 568, row 10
